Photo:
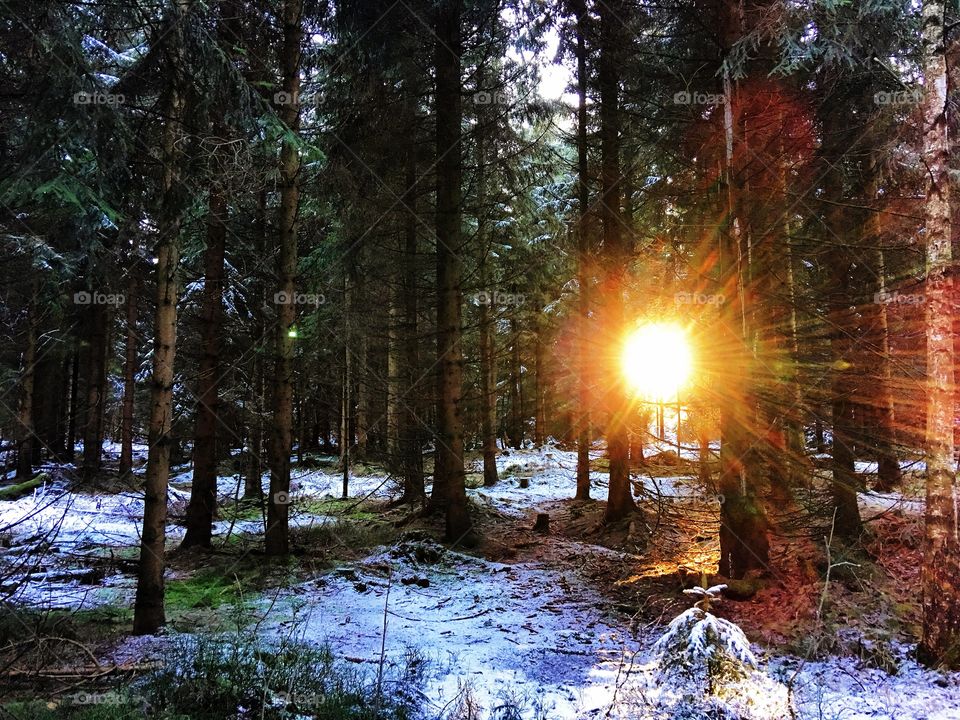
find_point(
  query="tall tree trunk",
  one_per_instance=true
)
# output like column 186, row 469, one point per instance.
column 281, row 438
column 617, row 254
column 583, row 254
column 26, row 434
column 488, row 388
column 449, row 116
column 253, row 483
column 203, row 491
column 516, row 380
column 363, row 396
column 148, row 612
column 539, row 391
column 131, row 345
column 394, row 384
column 96, row 387
column 743, row 526
column 940, row 644
column 486, row 123
column 888, row 468
column 74, row 404
column 413, row 490
column 347, row 404
column 844, row 484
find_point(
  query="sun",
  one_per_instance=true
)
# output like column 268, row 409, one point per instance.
column 657, row 360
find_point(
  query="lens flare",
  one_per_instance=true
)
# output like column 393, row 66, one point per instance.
column 657, row 360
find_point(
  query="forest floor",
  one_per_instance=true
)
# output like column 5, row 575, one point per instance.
column 552, row 625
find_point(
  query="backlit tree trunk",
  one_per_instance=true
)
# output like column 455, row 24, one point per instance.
column 583, row 254
column 941, row 559
column 743, row 526
column 617, row 255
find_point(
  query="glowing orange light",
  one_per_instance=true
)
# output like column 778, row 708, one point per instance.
column 657, row 360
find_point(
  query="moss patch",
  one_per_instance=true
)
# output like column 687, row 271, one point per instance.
column 12, row 492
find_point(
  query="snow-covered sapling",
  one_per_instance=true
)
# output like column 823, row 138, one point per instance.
column 705, row 664
column 701, row 647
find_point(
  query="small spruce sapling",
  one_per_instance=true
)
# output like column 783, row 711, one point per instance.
column 701, row 647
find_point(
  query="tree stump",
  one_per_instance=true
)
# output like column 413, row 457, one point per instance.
column 543, row 523
column 524, row 482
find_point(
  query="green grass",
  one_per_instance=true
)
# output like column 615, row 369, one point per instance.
column 338, row 507
column 205, row 589
column 208, row 677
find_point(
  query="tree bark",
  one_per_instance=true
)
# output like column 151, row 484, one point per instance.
column 203, row 490
column 148, row 612
column 131, row 345
column 26, row 434
column 413, row 489
column 96, row 387
column 744, row 545
column 73, row 409
column 281, row 437
column 888, row 468
column 488, row 389
column 449, row 116
column 617, row 251
column 583, row 254
column 516, row 380
column 940, row 644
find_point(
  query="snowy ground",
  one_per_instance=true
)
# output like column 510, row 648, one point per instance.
column 534, row 634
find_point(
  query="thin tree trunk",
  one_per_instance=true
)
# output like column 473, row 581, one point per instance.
column 540, row 409
column 281, row 438
column 96, row 387
column 26, row 434
column 74, row 402
column 253, row 484
column 940, row 644
column 583, row 276
column 393, row 370
column 413, row 490
column 516, row 398
column 888, row 468
column 488, row 389
column 148, row 613
column 131, row 345
column 347, row 404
